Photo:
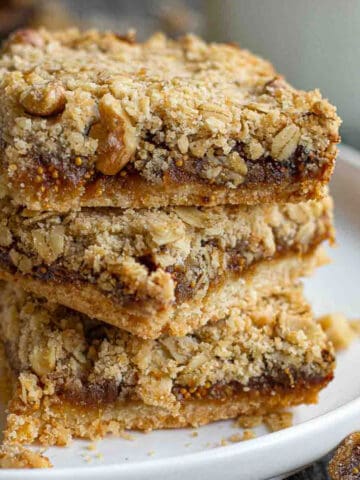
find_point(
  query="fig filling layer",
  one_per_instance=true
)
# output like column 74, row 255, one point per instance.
column 302, row 164
column 105, row 392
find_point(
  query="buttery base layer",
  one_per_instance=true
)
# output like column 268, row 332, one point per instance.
column 54, row 421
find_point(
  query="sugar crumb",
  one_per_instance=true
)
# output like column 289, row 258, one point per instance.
column 355, row 325
column 248, row 435
column 91, row 447
column 127, row 436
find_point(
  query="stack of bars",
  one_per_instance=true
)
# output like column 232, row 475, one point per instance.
column 159, row 203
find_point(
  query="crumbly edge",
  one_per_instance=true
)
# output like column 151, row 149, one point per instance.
column 14, row 456
column 57, row 352
column 147, row 263
column 55, row 422
column 80, row 111
column 265, row 278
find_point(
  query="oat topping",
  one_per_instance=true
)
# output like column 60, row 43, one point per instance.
column 58, row 351
column 92, row 106
column 152, row 261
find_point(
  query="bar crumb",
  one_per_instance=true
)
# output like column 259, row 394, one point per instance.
column 248, row 435
column 249, row 421
column 126, row 436
column 355, row 325
column 339, row 330
column 19, row 457
column 91, row 447
column 278, row 421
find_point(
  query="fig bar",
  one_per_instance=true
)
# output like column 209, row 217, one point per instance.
column 77, row 377
column 156, row 271
column 96, row 119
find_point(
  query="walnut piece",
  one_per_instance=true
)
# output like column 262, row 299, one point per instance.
column 49, row 245
column 44, row 100
column 26, row 36
column 116, row 136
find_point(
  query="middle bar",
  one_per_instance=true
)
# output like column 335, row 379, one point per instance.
column 156, row 271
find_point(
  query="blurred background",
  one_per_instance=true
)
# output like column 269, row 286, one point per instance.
column 314, row 43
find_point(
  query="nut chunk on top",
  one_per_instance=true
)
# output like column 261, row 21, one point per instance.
column 95, row 119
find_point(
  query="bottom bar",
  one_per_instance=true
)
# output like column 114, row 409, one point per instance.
column 76, row 377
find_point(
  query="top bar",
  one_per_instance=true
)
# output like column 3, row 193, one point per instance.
column 96, row 119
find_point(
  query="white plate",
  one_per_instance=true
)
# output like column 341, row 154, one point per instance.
column 171, row 455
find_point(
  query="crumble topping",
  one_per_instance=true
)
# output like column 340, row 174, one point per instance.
column 162, row 256
column 57, row 351
column 76, row 106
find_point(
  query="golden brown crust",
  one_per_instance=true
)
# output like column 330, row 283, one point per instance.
column 96, row 119
column 152, row 271
column 55, row 422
